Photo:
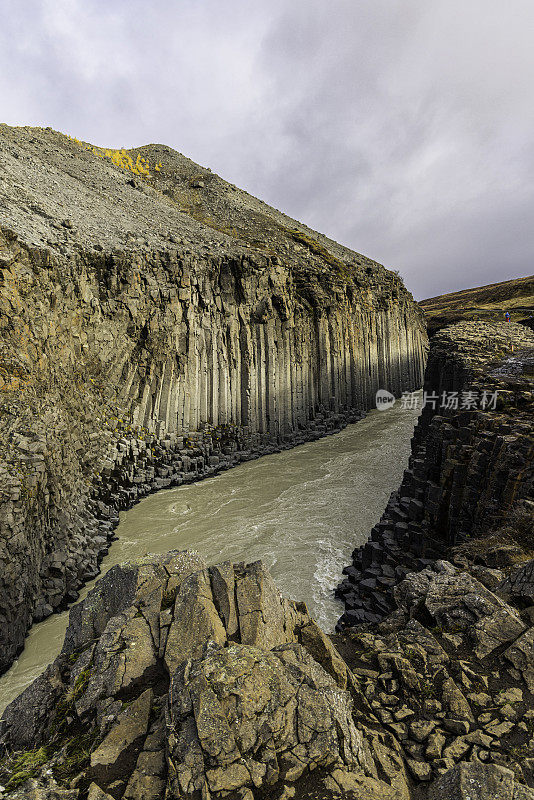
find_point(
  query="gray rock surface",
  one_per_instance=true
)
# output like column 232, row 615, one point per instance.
column 519, row 584
column 156, row 326
column 197, row 683
column 447, row 698
column 205, row 682
column 478, row 781
column 469, row 482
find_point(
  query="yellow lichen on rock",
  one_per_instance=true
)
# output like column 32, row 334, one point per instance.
column 121, row 158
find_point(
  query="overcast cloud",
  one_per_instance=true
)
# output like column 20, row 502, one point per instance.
column 401, row 128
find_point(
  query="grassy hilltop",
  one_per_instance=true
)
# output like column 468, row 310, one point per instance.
column 488, row 303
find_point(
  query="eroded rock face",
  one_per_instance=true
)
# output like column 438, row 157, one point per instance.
column 444, row 648
column 243, row 718
column 203, row 682
column 194, row 682
column 478, row 782
column 167, row 328
column 458, row 603
column 469, row 478
column 519, row 584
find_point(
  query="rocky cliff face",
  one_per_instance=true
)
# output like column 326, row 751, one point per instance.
column 156, row 325
column 446, row 646
column 470, row 480
column 177, row 680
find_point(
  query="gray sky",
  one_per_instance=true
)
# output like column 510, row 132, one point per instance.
column 401, row 128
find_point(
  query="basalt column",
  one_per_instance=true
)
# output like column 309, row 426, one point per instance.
column 157, row 325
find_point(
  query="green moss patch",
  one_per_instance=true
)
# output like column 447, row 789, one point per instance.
column 18, row 768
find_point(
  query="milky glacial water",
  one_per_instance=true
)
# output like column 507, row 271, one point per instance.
column 301, row 512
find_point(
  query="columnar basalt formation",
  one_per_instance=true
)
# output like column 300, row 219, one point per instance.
column 157, row 324
column 178, row 680
column 471, row 473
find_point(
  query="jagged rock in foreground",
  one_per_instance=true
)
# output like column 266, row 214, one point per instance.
column 156, row 326
column 181, row 681
column 194, row 683
column 450, row 673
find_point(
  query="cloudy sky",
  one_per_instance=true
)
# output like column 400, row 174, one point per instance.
column 401, row 128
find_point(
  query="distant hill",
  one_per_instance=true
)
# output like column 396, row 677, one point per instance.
column 488, row 303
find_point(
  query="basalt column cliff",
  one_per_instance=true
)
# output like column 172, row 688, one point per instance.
column 158, row 324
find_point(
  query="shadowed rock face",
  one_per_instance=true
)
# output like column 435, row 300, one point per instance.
column 470, row 478
column 155, row 328
column 447, row 649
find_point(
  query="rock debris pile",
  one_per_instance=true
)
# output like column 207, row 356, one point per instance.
column 177, row 680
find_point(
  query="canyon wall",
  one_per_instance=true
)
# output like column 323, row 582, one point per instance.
column 158, row 325
column 179, row 679
column 470, row 480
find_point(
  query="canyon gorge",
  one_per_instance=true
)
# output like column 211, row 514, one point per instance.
column 159, row 326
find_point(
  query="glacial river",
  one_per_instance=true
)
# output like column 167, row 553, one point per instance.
column 301, row 511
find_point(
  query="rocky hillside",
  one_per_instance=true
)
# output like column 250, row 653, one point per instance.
column 447, row 645
column 484, row 303
column 156, row 325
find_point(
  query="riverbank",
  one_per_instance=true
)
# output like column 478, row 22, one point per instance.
column 299, row 511
column 439, row 618
column 163, row 306
column 137, row 464
column 140, row 464
column 206, row 682
column 469, row 483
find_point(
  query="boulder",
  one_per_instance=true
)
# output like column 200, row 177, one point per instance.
column 96, row 793
column 120, row 587
column 476, row 781
column 195, row 621
column 519, row 584
column 457, row 602
column 521, row 655
column 324, row 652
column 264, row 619
column 359, row 787
column 25, row 719
column 223, row 588
column 242, row 718
column 454, row 700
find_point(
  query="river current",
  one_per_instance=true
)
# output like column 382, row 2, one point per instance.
column 301, row 511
